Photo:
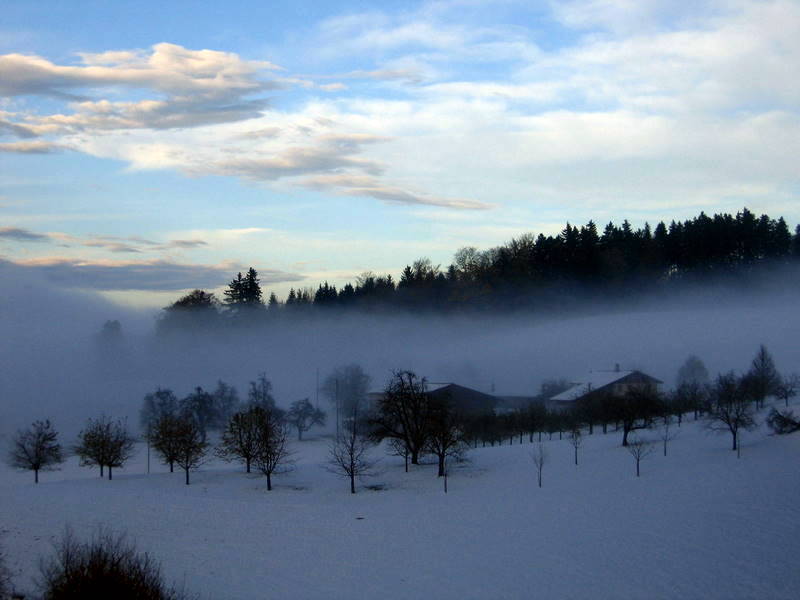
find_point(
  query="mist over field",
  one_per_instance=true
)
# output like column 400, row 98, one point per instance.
column 55, row 366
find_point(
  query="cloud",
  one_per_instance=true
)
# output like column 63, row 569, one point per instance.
column 361, row 185
column 117, row 245
column 22, row 235
column 195, row 87
column 34, row 147
column 333, row 153
column 15, row 129
column 169, row 68
column 151, row 275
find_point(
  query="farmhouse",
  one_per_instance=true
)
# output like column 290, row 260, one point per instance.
column 467, row 401
column 613, row 383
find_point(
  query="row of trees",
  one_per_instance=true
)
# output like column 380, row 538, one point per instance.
column 529, row 271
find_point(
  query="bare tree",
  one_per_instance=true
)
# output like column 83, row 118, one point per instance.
column 36, row 449
column 575, row 440
column 349, row 455
column 272, row 454
column 240, row 438
column 107, row 566
column 730, row 409
column 399, row 448
column 539, row 457
column 104, row 442
column 190, row 444
column 403, row 413
column 639, row 449
column 445, row 432
column 667, row 432
column 787, row 388
column 303, row 416
column 164, row 439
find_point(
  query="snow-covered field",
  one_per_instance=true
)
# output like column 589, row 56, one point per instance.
column 697, row 524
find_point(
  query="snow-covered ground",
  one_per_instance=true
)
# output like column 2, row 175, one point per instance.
column 699, row 523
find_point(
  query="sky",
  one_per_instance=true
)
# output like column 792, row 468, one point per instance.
column 151, row 148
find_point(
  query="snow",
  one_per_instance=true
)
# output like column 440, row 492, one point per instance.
column 699, row 523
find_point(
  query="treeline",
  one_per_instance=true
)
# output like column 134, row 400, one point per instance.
column 528, row 272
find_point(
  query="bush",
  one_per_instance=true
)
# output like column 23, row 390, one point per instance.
column 782, row 422
column 107, row 566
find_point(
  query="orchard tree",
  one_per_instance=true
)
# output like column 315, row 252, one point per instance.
column 730, row 409
column 349, row 455
column 190, row 444
column 163, row 438
column 105, row 443
column 36, row 449
column 272, row 454
column 787, row 388
column 403, row 412
column 445, row 432
column 539, row 457
column 240, row 439
column 639, row 449
column 260, row 394
column 635, row 410
column 303, row 416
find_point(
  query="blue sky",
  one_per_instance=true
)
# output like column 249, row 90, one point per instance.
column 147, row 148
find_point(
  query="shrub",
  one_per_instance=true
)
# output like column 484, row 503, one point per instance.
column 107, row 566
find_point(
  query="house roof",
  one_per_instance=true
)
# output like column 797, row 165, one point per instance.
column 600, row 379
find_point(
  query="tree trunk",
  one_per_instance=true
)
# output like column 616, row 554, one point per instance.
column 247, row 464
column 665, row 447
column 540, row 478
column 405, row 460
column 637, row 467
column 540, row 436
column 269, row 482
column 109, row 473
column 171, row 467
column 415, row 457
column 441, row 466
column 187, row 475
column 36, row 475
column 102, row 473
column 299, row 435
column 352, row 484
column 591, row 427
column 576, row 457
column 625, row 432
column 605, row 428
column 734, row 440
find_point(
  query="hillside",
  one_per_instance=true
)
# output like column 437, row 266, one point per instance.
column 697, row 524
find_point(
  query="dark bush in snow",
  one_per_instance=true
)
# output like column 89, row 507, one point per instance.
column 107, row 566
column 782, row 422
